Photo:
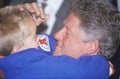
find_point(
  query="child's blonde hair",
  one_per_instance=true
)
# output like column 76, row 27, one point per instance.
column 14, row 28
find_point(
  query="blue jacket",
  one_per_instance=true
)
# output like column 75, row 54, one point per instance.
column 38, row 64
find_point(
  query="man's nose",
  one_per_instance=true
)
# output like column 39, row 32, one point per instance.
column 60, row 34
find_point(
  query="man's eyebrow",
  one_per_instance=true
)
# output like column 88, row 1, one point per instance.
column 68, row 29
column 66, row 26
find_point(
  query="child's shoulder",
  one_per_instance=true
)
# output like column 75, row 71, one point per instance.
column 47, row 42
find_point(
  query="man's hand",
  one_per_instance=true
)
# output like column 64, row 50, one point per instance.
column 38, row 13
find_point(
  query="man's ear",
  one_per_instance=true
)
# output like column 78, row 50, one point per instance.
column 93, row 47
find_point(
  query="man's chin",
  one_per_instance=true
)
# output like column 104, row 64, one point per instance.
column 58, row 51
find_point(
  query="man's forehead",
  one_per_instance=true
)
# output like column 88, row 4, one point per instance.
column 71, row 19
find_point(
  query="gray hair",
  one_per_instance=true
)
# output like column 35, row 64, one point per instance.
column 99, row 21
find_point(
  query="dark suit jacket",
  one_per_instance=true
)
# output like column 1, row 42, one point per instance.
column 61, row 15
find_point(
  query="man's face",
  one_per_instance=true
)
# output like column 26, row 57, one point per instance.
column 70, row 38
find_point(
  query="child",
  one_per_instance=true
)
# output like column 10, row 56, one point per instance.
column 29, row 56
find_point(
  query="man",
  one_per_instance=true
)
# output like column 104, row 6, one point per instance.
column 86, row 26
column 102, row 46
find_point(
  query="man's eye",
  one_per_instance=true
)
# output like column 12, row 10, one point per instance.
column 67, row 33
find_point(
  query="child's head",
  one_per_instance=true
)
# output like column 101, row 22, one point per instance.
column 17, row 30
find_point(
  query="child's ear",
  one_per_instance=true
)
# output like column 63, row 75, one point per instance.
column 93, row 47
